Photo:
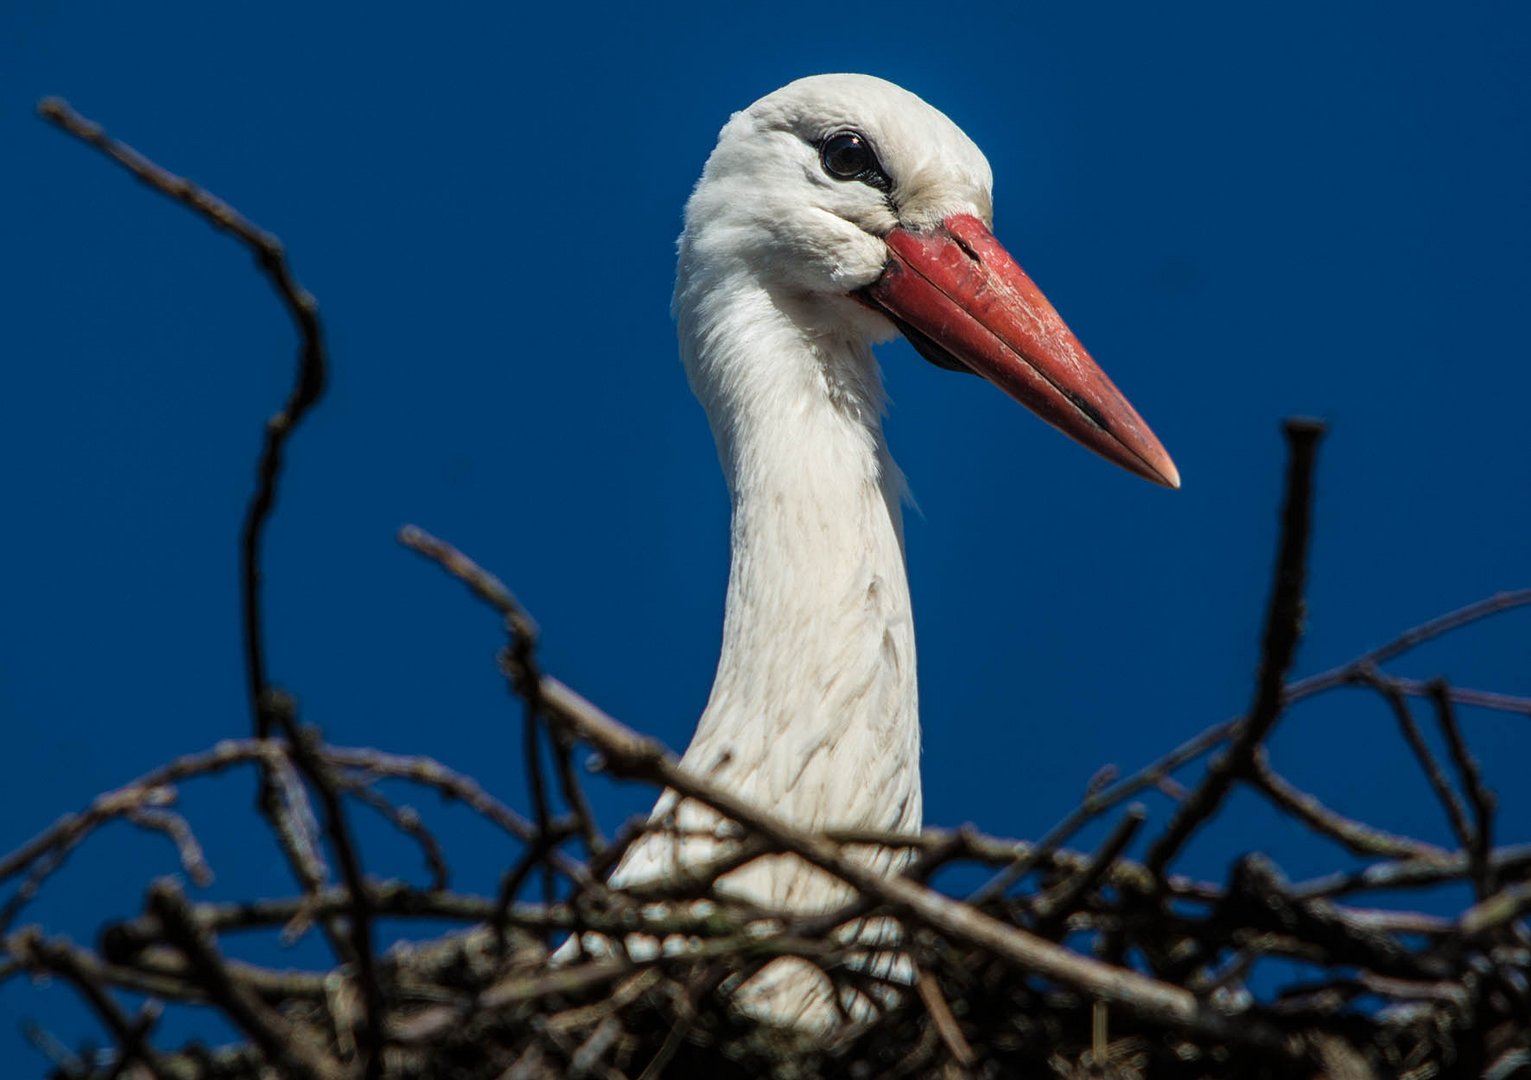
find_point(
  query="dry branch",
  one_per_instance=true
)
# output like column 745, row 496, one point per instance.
column 1283, row 627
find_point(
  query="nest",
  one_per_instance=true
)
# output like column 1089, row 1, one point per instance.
column 1065, row 963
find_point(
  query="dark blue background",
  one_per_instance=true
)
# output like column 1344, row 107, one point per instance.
column 1243, row 212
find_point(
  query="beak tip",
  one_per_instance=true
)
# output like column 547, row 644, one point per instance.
column 1153, row 463
column 1171, row 475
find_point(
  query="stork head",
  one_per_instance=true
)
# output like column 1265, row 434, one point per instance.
column 869, row 212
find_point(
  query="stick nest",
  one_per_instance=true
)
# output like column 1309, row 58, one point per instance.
column 1065, row 963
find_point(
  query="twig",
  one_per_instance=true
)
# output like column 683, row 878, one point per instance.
column 1461, row 695
column 685, row 1021
column 1051, row 907
column 574, row 793
column 407, row 820
column 1482, row 800
column 1357, row 837
column 1455, row 813
column 609, row 857
column 175, row 827
column 269, row 709
column 282, row 1044
column 152, row 980
column 945, row 1023
column 397, row 899
column 1409, row 639
column 285, row 804
column 537, row 854
column 394, row 898
column 454, row 785
column 1497, row 910
column 137, row 1032
column 1283, row 627
column 520, row 666
column 306, row 751
column 68, row 1063
column 568, row 980
column 1260, row 899
column 1507, row 862
column 44, row 853
column 61, row 959
column 1027, row 861
column 308, row 384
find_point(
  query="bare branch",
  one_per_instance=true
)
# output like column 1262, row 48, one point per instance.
column 945, row 1023
column 308, row 383
column 521, row 668
column 1283, row 627
column 286, row 1046
column 1357, row 837
column 62, row 960
column 1410, row 639
column 1455, row 814
column 1482, row 799
column 407, row 820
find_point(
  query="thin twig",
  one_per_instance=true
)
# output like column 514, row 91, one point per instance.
column 1497, row 910
column 1283, row 628
column 459, row 786
column 1410, row 639
column 945, row 1023
column 1051, row 907
column 283, row 1044
column 68, row 1064
column 61, row 959
column 520, row 665
column 307, row 753
column 1407, row 725
column 176, row 828
column 407, row 820
column 268, row 708
column 308, row 383
column 1357, row 837
column 1506, row 863
column 1482, row 800
column 45, row 852
column 1462, row 695
column 1025, row 862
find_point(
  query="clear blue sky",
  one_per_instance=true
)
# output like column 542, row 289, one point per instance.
column 1319, row 209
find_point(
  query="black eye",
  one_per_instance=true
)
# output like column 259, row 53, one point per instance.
column 846, row 156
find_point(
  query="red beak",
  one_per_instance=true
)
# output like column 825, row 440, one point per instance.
column 964, row 303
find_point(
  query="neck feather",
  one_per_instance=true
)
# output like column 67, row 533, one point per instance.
column 814, row 709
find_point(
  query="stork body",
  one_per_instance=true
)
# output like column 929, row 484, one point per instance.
column 833, row 213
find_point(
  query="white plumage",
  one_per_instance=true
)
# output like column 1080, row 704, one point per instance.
column 788, row 273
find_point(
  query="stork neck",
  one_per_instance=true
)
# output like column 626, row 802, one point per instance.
column 814, row 709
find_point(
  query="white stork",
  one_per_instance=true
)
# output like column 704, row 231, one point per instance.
column 832, row 214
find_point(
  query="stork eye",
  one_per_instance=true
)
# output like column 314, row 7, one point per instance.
column 846, row 155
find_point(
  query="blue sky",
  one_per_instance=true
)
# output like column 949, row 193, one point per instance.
column 1243, row 213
